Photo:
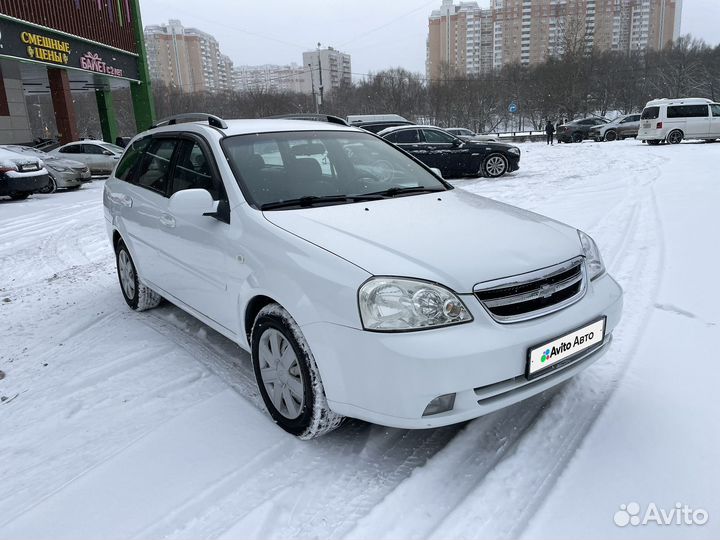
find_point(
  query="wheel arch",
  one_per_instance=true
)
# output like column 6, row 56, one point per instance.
column 252, row 308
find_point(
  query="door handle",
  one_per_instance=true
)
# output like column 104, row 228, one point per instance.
column 121, row 198
column 167, row 220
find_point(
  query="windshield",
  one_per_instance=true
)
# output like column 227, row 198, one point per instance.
column 113, row 148
column 328, row 167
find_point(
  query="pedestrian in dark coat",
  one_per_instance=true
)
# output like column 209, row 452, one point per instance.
column 549, row 131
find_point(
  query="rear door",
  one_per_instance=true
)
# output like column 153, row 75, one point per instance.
column 145, row 216
column 693, row 120
column 195, row 250
column 629, row 126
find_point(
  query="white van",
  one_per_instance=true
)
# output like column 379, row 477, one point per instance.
column 673, row 120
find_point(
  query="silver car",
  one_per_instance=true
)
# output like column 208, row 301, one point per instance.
column 62, row 173
column 621, row 128
column 100, row 156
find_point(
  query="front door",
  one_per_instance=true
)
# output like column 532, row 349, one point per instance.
column 446, row 152
column 195, row 249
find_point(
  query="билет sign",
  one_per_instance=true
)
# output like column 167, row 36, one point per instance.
column 26, row 41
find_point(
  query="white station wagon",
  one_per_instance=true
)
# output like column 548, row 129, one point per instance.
column 362, row 284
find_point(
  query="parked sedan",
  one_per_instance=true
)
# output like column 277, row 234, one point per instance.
column 469, row 135
column 577, row 130
column 100, row 156
column 453, row 156
column 20, row 175
column 62, row 173
column 620, row 128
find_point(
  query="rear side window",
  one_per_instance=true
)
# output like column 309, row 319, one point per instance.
column 687, row 111
column 154, row 167
column 406, row 136
column 128, row 164
column 71, row 149
column 715, row 109
column 92, row 149
column 650, row 113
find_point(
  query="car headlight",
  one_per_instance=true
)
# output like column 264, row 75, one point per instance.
column 397, row 304
column 58, row 168
column 514, row 150
column 593, row 260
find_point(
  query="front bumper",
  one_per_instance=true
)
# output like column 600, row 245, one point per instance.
column 389, row 379
column 22, row 182
column 67, row 179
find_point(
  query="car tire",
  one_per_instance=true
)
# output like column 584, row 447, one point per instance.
column 675, row 137
column 495, row 165
column 287, row 375
column 19, row 196
column 653, row 142
column 611, row 135
column 577, row 137
column 51, row 186
column 137, row 295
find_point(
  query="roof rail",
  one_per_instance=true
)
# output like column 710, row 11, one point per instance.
column 211, row 119
column 312, row 117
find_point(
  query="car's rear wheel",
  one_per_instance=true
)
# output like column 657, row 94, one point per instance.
column 577, row 137
column 495, row 165
column 287, row 375
column 51, row 186
column 137, row 295
column 19, row 195
column 675, row 136
column 611, row 135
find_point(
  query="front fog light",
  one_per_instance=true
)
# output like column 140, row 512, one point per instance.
column 440, row 404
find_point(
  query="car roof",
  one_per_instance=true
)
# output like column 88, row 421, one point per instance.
column 9, row 154
column 678, row 101
column 410, row 126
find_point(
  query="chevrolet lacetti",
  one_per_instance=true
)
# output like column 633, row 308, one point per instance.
column 361, row 283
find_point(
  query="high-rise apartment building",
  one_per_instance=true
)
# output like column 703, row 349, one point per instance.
column 472, row 40
column 271, row 78
column 328, row 68
column 187, row 58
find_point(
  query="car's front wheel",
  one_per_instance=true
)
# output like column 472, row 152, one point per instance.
column 137, row 295
column 50, row 187
column 287, row 376
column 611, row 135
column 577, row 137
column 495, row 165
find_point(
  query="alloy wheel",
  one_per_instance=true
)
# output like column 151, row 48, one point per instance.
column 495, row 166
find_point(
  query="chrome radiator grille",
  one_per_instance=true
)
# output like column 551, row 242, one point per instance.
column 530, row 295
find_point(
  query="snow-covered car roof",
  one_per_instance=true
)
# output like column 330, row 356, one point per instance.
column 410, row 126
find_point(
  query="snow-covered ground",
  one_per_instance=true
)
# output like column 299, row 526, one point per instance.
column 115, row 424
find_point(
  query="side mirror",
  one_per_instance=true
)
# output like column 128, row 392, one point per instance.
column 457, row 142
column 108, row 153
column 437, row 172
column 191, row 202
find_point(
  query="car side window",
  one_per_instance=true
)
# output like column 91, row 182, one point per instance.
column 154, row 168
column 131, row 159
column 437, row 137
column 405, row 136
column 92, row 149
column 715, row 110
column 71, row 149
column 193, row 171
column 687, row 111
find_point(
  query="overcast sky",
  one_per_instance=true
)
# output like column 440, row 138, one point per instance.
column 377, row 33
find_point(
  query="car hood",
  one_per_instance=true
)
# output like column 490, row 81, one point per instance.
column 452, row 237
column 62, row 162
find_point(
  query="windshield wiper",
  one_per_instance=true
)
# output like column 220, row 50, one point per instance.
column 312, row 200
column 399, row 190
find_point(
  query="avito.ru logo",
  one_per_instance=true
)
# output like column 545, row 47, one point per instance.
column 680, row 514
